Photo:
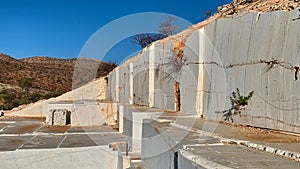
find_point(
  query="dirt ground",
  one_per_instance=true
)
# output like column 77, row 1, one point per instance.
column 268, row 135
column 12, row 118
column 259, row 134
column 57, row 129
column 26, row 128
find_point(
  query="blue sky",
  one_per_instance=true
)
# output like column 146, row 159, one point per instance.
column 60, row 28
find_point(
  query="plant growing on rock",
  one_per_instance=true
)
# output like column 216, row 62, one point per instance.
column 238, row 103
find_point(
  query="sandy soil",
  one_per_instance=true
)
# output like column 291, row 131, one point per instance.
column 57, row 129
column 259, row 134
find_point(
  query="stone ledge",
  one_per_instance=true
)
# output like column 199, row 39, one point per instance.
column 283, row 153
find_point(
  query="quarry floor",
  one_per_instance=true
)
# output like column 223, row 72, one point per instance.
column 30, row 133
column 276, row 139
column 221, row 145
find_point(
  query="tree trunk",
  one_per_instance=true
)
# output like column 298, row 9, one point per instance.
column 177, row 96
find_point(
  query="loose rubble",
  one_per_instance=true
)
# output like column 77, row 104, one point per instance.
column 243, row 6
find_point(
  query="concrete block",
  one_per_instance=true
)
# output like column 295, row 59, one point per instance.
column 121, row 118
column 132, row 122
column 153, row 156
column 127, row 122
column 53, row 106
column 59, row 117
column 137, row 124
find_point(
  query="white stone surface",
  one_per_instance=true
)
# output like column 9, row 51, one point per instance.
column 94, row 114
column 137, row 124
column 152, row 75
column 244, row 42
column 121, row 119
column 131, row 84
column 131, row 123
column 86, row 157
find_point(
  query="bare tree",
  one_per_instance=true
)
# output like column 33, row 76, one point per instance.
column 144, row 39
column 208, row 13
column 166, row 29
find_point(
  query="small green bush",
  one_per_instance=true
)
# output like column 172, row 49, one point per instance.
column 12, row 99
column 238, row 103
column 26, row 83
column 7, row 96
column 34, row 97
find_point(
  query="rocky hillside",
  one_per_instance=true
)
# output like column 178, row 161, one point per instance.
column 28, row 80
column 47, row 73
column 244, row 6
column 236, row 7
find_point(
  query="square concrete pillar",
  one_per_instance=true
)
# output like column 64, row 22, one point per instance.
column 137, row 127
column 131, row 123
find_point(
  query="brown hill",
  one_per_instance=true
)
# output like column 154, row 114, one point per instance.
column 51, row 74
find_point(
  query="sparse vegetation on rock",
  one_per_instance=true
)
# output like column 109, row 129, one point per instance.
column 26, row 83
column 48, row 73
column 14, row 97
